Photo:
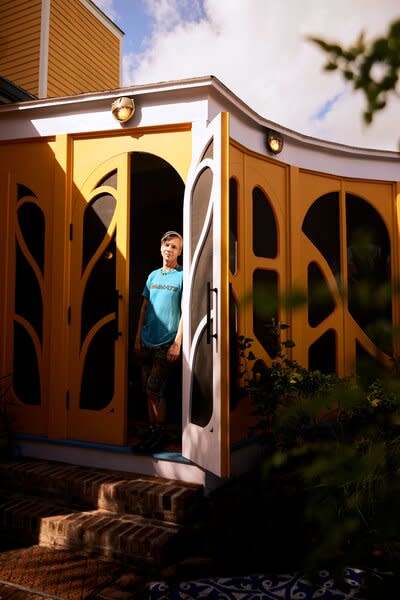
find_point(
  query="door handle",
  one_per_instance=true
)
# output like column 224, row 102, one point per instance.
column 118, row 297
column 209, row 334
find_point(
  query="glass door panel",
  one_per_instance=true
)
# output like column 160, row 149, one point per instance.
column 206, row 304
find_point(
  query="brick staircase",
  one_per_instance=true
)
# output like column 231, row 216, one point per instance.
column 120, row 516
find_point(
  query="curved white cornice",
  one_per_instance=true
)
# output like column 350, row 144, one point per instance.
column 195, row 100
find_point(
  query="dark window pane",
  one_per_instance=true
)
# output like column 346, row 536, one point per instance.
column 369, row 368
column 199, row 204
column 265, row 303
column 97, row 388
column 264, row 226
column 111, row 179
column 97, row 218
column 321, row 226
column 26, row 380
column 202, row 373
column 234, row 382
column 209, row 151
column 322, row 353
column 99, row 296
column 202, row 384
column 28, row 297
column 233, row 224
column 31, row 222
column 202, row 276
column 23, row 191
column 320, row 301
column 368, row 264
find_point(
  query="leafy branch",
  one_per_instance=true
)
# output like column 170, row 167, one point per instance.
column 372, row 67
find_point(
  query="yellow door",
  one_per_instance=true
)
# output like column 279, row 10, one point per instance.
column 333, row 221
column 26, row 188
column 98, row 313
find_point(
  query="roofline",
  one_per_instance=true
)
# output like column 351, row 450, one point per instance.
column 209, row 84
column 103, row 17
column 13, row 92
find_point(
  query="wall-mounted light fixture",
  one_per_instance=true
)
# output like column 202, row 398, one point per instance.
column 123, row 108
column 274, row 141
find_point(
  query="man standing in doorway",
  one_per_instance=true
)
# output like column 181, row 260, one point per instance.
column 159, row 336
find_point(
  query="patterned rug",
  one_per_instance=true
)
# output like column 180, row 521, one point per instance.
column 56, row 573
column 271, row 587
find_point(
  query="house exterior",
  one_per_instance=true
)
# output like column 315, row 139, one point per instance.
column 9, row 92
column 58, row 47
column 84, row 200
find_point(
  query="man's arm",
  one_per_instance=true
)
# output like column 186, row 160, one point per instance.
column 175, row 348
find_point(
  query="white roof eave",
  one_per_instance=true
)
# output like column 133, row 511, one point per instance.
column 190, row 89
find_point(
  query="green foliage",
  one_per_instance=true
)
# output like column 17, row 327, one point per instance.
column 285, row 384
column 338, row 442
column 372, row 67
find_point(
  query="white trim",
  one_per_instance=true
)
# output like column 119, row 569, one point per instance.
column 202, row 85
column 44, row 49
column 203, row 444
column 98, row 13
column 197, row 101
column 107, row 459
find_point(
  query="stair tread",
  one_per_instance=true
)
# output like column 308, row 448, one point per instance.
column 116, row 491
column 17, row 501
column 115, row 536
column 117, row 515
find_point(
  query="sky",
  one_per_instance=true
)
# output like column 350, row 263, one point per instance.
column 260, row 50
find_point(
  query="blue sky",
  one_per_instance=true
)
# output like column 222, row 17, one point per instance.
column 131, row 16
column 259, row 49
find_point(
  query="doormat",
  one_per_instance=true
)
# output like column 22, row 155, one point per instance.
column 57, row 573
column 272, row 587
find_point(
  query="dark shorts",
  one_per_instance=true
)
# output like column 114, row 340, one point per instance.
column 156, row 370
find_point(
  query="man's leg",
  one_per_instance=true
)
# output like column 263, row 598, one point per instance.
column 156, row 402
column 157, row 407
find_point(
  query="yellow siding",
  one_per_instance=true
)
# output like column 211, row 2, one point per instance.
column 20, row 22
column 84, row 55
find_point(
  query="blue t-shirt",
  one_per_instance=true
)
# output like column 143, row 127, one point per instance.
column 163, row 290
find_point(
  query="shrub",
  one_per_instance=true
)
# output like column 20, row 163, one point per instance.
column 333, row 446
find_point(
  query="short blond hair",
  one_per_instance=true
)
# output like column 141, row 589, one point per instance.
column 169, row 234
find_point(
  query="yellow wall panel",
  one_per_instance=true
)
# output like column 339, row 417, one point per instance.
column 172, row 146
column 20, row 22
column 83, row 53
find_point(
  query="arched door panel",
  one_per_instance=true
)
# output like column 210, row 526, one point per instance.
column 98, row 313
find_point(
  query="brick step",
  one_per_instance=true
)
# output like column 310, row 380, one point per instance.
column 128, row 538
column 21, row 515
column 113, row 491
column 132, row 539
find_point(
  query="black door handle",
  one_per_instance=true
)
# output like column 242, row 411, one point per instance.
column 209, row 334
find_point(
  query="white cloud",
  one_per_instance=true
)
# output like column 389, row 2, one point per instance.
column 168, row 14
column 258, row 48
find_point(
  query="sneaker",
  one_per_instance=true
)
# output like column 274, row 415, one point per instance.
column 158, row 441
column 146, row 438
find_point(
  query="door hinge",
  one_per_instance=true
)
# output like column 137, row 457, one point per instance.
column 67, row 400
column 71, row 231
column 69, row 315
